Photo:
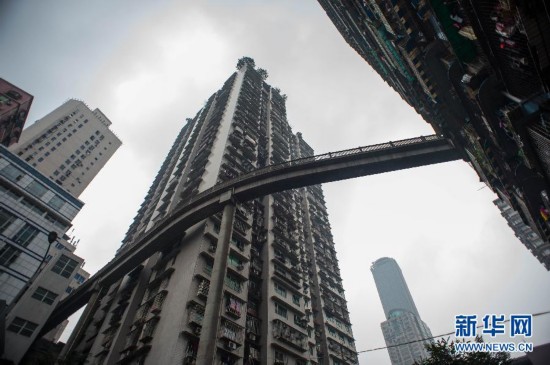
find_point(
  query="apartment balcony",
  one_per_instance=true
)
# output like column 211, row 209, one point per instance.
column 283, row 244
column 243, row 212
column 132, row 338
column 350, row 356
column 241, row 226
column 162, row 278
column 142, row 313
column 332, row 289
column 234, row 307
column 157, row 301
column 289, row 335
column 129, row 357
column 253, row 355
column 281, row 233
column 253, row 327
column 191, row 353
column 195, row 318
column 202, row 290
column 234, row 282
column 231, row 332
column 235, row 138
column 287, row 275
column 237, row 266
column 149, row 329
column 240, row 243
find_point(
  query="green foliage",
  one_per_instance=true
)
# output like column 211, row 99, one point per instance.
column 443, row 352
column 263, row 73
column 245, row 61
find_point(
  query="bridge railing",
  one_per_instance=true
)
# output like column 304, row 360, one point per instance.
column 216, row 189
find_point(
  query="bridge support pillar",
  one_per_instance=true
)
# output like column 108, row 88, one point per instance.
column 209, row 332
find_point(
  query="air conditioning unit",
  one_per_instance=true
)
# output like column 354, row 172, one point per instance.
column 231, row 346
column 240, row 267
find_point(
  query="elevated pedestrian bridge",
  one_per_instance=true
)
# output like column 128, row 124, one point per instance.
column 328, row 167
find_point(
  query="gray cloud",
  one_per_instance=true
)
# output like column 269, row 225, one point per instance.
column 149, row 66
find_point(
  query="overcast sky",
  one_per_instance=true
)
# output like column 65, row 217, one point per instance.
column 149, row 65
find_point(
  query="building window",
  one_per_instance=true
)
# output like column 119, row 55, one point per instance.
column 22, row 327
column 44, row 295
column 281, row 310
column 12, row 173
column 8, row 254
column 56, row 202
column 296, row 299
column 79, row 278
column 280, row 290
column 36, row 189
column 233, row 283
column 25, row 235
column 280, row 357
column 65, row 266
column 6, row 219
column 233, row 261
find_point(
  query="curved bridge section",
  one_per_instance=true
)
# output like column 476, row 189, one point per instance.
column 328, row 167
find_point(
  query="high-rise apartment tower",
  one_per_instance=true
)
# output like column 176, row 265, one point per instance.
column 531, row 240
column 277, row 280
column 70, row 145
column 403, row 324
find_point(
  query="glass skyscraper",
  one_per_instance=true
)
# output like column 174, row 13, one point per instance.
column 403, row 324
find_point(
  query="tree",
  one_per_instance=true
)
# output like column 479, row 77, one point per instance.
column 245, row 61
column 443, row 352
column 263, row 73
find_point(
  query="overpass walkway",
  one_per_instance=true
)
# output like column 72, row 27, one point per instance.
column 328, row 167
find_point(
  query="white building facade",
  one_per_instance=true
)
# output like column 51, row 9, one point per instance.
column 70, row 145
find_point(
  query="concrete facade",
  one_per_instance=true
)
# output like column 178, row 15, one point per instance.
column 403, row 324
column 60, row 272
column 270, row 261
column 70, row 145
column 531, row 240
